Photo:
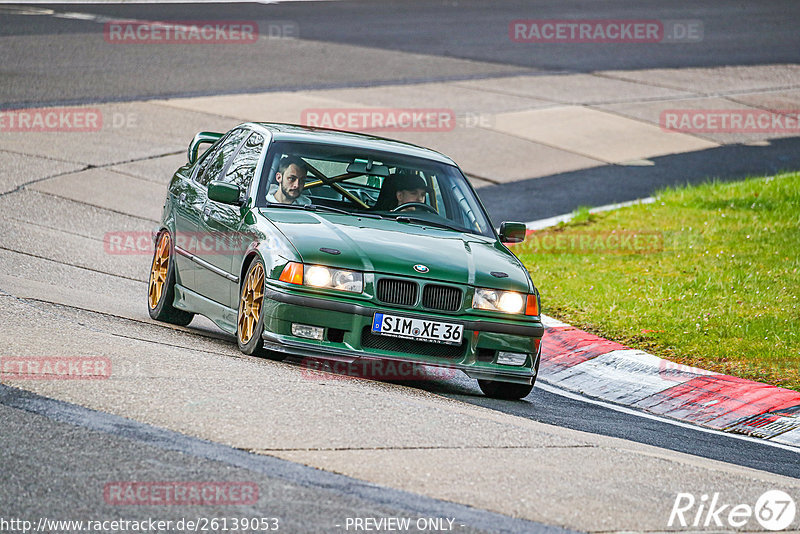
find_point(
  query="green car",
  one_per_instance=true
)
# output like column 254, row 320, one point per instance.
column 337, row 246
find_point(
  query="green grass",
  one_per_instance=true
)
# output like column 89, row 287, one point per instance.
column 721, row 290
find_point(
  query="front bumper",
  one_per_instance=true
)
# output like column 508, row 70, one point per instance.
column 347, row 337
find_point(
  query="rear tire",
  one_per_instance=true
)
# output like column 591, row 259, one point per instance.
column 161, row 285
column 250, row 319
column 504, row 390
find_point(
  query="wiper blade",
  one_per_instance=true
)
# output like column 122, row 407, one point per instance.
column 426, row 222
column 321, row 207
column 279, row 205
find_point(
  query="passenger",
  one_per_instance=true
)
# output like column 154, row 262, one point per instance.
column 291, row 178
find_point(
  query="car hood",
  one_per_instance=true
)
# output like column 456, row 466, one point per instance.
column 390, row 247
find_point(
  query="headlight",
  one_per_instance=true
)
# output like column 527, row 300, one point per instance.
column 317, row 276
column 323, row 277
column 505, row 301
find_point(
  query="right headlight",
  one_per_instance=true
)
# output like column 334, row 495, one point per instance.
column 505, row 301
column 323, row 277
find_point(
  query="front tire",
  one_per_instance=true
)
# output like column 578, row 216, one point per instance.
column 250, row 321
column 504, row 390
column 161, row 285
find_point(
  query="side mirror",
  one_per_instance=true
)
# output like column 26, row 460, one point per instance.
column 224, row 192
column 512, row 232
column 199, row 139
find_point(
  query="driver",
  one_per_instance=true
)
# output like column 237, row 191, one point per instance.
column 291, row 178
column 410, row 188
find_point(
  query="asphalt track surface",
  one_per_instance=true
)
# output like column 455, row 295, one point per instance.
column 37, row 430
column 66, row 440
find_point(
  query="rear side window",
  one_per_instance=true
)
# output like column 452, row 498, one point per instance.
column 212, row 165
column 244, row 164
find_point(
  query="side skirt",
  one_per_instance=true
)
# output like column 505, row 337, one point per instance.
column 223, row 317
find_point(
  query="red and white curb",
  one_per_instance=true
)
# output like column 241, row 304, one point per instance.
column 590, row 365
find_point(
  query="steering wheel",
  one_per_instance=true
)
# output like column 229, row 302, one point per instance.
column 422, row 205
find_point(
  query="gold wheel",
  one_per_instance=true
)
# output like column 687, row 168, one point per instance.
column 251, row 302
column 159, row 270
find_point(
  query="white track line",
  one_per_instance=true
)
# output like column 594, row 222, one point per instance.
column 630, row 411
column 552, row 221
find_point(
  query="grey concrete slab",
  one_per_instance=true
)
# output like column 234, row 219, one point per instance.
column 63, row 214
column 19, row 169
column 718, row 80
column 477, row 182
column 460, row 97
column 51, row 281
column 280, row 106
column 110, row 190
column 595, row 134
column 497, row 156
column 572, row 89
column 652, row 112
column 159, row 170
column 40, row 280
column 71, row 249
column 772, row 100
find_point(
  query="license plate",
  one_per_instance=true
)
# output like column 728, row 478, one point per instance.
column 419, row 329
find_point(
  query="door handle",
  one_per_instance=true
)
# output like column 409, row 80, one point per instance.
column 207, row 212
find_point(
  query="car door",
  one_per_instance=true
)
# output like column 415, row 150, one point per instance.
column 218, row 225
column 207, row 282
column 188, row 201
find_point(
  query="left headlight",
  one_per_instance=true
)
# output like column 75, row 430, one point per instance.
column 323, row 277
column 505, row 301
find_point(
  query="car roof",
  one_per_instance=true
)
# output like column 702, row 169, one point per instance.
column 298, row 133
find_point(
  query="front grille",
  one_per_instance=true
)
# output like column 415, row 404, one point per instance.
column 394, row 291
column 410, row 346
column 444, row 298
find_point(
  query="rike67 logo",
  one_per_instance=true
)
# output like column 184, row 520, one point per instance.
column 774, row 510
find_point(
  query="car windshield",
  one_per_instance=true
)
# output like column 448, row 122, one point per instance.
column 365, row 182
